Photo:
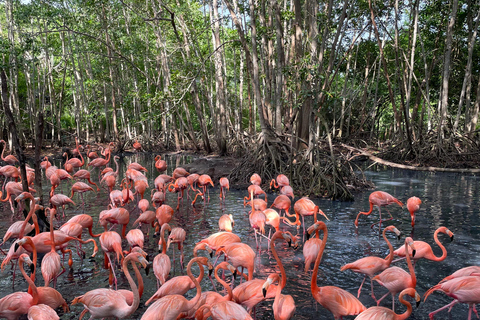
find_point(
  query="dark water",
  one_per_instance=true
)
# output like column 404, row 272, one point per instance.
column 450, row 200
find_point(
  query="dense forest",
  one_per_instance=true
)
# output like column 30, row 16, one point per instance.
column 289, row 85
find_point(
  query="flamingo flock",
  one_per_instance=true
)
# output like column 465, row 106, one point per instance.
column 245, row 279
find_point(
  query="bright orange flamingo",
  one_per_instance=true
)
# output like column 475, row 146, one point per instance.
column 282, row 181
column 51, row 261
column 334, row 299
column 257, row 190
column 160, row 164
column 413, row 205
column 424, row 250
column 203, row 181
column 179, row 186
column 116, row 216
column 84, row 174
column 16, row 304
column 100, row 162
column 161, row 262
column 75, row 162
column 179, row 172
column 283, row 305
column 41, row 312
column 312, row 246
column 396, row 279
column 137, row 146
column 462, row 289
column 86, row 221
column 226, row 222
column 224, row 185
column 255, row 179
column 9, row 171
column 282, row 202
column 250, row 293
column 240, row 255
column 171, row 306
column 377, row 313
column 369, row 266
column 148, row 217
column 379, row 199
column 137, row 166
column 304, row 207
column 110, row 303
column 164, row 214
column 10, row 159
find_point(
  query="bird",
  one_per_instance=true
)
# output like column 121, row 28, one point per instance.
column 281, row 181
column 85, row 174
column 161, row 263
column 226, row 223
column 424, row 250
column 224, row 185
column 135, row 238
column 148, row 217
column 382, row 313
column 42, row 312
column 463, row 289
column 115, row 216
column 160, row 164
column 75, row 162
column 110, row 241
column 171, row 306
column 60, row 200
column 223, row 310
column 76, row 150
column 137, row 146
column 110, row 303
column 164, row 214
column 257, row 190
column 282, row 202
column 14, row 305
column 304, row 207
column 91, row 154
column 215, row 241
column 51, row 261
column 80, row 187
column 137, row 166
column 256, row 179
column 10, row 159
column 179, row 172
column 413, row 205
column 283, row 305
column 239, row 254
column 334, row 299
column 11, row 172
column 369, row 266
column 396, row 279
column 288, row 191
column 379, row 199
column 467, row 271
column 177, row 235
column 157, row 197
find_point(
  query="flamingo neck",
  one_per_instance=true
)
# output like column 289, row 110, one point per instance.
column 31, row 284
column 408, row 312
column 410, row 266
column 30, row 213
column 81, row 157
column 191, row 303
column 364, row 213
column 3, row 150
column 314, row 286
column 136, row 297
column 139, row 279
column 444, row 251
column 389, row 258
column 277, row 235
column 229, row 295
column 52, row 237
column 162, row 236
column 116, row 166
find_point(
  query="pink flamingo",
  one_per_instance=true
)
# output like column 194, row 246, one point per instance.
column 375, row 313
column 160, row 164
column 85, row 174
column 282, row 181
column 224, row 185
column 80, row 187
column 255, row 179
column 413, row 205
column 161, row 262
column 379, row 199
column 226, row 223
column 10, row 159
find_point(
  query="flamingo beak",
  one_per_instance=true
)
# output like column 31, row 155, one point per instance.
column 308, row 236
column 32, row 268
column 235, row 274
column 16, row 247
column 413, row 253
column 264, row 291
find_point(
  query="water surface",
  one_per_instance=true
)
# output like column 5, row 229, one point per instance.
column 450, row 200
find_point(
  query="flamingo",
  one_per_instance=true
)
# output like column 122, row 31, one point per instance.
column 10, row 159
column 148, row 217
column 334, row 299
column 76, row 151
column 256, row 179
column 9, row 171
column 80, row 187
column 288, row 191
column 135, row 238
column 164, row 214
column 463, row 272
column 171, row 306
column 85, row 174
column 45, row 163
column 223, row 310
column 86, row 221
column 424, row 250
column 91, row 154
column 257, row 190
column 179, row 172
column 226, row 223
column 463, row 289
column 160, row 164
column 177, row 235
column 203, row 181
column 75, row 162
column 239, row 254
column 158, row 198
column 282, row 181
column 51, row 261
column 137, row 146
column 110, row 303
column 16, row 304
column 161, row 262
column 110, row 241
column 282, row 202
column 215, row 241
column 60, row 200
column 396, row 279
column 382, row 313
column 110, row 177
column 42, row 312
column 143, row 205
column 413, row 205
column 224, row 184
column 283, row 306
column 304, row 207
column 369, row 266
column 116, row 216
column 379, row 199
column 137, row 166
column 250, row 293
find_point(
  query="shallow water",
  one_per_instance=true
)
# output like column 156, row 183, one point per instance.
column 451, row 200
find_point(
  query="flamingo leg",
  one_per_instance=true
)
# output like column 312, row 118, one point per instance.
column 378, row 301
column 431, row 314
column 113, row 271
column 373, row 294
column 361, row 285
